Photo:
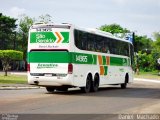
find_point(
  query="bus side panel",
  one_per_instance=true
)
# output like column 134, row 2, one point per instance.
column 115, row 74
column 81, row 71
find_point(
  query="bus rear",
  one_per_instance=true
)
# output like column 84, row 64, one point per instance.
column 49, row 59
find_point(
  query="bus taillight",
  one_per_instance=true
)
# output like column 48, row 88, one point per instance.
column 28, row 67
column 70, row 68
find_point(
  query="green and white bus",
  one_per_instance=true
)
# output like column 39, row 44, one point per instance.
column 61, row 56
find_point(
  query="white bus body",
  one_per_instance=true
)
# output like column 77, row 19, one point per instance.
column 64, row 56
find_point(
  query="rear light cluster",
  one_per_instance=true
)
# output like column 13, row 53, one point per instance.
column 70, row 68
column 28, row 67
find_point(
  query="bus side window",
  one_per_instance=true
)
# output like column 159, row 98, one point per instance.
column 83, row 37
column 126, row 49
column 99, row 44
column 106, row 48
column 113, row 46
column 78, row 36
column 91, row 45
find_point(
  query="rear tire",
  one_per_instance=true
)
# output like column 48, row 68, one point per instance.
column 50, row 89
column 95, row 84
column 124, row 85
column 88, row 86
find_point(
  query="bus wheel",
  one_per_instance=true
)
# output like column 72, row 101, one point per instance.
column 50, row 89
column 124, row 85
column 95, row 84
column 87, row 88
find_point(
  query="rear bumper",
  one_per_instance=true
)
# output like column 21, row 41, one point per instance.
column 50, row 81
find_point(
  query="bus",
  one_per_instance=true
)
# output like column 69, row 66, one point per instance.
column 62, row 56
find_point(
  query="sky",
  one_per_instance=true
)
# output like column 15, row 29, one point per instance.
column 139, row 16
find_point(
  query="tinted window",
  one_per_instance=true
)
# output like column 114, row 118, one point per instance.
column 91, row 42
column 97, row 43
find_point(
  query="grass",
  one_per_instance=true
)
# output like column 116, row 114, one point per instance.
column 148, row 75
column 13, row 79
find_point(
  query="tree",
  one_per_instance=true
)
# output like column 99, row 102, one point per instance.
column 113, row 28
column 7, row 27
column 156, row 44
column 45, row 18
column 156, row 49
column 156, row 35
column 142, row 43
column 145, row 61
column 24, row 24
column 7, row 56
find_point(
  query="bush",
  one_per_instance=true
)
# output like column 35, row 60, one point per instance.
column 7, row 56
column 145, row 62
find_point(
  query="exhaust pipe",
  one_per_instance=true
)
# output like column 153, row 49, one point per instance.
column 36, row 82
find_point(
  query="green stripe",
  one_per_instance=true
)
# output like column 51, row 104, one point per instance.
column 105, row 70
column 115, row 61
column 94, row 59
column 104, row 60
column 71, row 57
column 48, row 57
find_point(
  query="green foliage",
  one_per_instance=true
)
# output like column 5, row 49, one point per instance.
column 113, row 28
column 22, row 36
column 11, row 55
column 7, row 27
column 149, row 52
column 145, row 61
column 156, row 49
column 142, row 43
column 156, row 35
column 6, row 56
column 25, row 23
column 156, row 44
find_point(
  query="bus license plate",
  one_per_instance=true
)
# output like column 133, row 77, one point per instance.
column 48, row 75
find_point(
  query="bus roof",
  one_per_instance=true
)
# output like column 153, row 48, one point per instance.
column 43, row 25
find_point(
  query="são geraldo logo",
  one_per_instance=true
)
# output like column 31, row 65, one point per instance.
column 40, row 36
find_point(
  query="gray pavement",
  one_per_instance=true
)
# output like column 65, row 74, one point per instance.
column 139, row 97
